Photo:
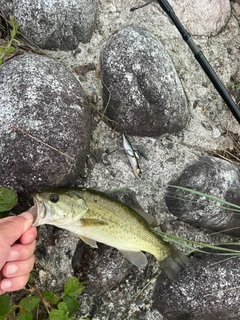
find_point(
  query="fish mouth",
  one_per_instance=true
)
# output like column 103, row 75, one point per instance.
column 37, row 210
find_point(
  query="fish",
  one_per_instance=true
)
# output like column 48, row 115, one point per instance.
column 96, row 217
column 132, row 156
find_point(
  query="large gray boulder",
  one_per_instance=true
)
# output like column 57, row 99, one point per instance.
column 54, row 24
column 212, row 176
column 45, row 124
column 141, row 89
column 203, row 18
column 206, row 290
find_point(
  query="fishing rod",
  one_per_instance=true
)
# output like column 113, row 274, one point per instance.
column 199, row 56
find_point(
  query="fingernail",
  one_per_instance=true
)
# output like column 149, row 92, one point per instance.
column 6, row 284
column 14, row 254
column 27, row 215
column 11, row 269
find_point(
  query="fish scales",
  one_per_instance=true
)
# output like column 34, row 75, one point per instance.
column 96, row 217
column 122, row 220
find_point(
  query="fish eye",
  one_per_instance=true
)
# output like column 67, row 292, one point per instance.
column 54, row 198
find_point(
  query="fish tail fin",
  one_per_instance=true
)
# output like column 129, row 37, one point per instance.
column 174, row 263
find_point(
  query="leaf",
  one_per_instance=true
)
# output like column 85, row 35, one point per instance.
column 62, row 306
column 51, row 297
column 57, row 315
column 8, row 199
column 73, row 287
column 1, row 61
column 31, row 277
column 2, row 49
column 72, row 304
column 12, row 34
column 30, row 303
column 25, row 316
column 9, row 50
column 60, row 314
column 2, row 318
column 4, row 305
column 14, row 25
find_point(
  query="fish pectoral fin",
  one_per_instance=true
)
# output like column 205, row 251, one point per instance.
column 135, row 257
column 92, row 243
column 92, row 223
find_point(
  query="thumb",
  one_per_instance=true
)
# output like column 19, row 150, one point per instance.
column 12, row 228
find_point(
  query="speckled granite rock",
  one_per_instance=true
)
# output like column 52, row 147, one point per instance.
column 204, row 17
column 41, row 97
column 141, row 88
column 54, row 24
column 207, row 290
column 213, row 176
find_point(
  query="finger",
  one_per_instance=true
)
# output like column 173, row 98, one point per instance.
column 29, row 236
column 21, row 252
column 18, row 268
column 5, row 251
column 13, row 284
column 11, row 228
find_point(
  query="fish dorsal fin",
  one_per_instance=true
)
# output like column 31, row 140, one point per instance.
column 88, row 241
column 151, row 221
column 135, row 257
column 92, row 223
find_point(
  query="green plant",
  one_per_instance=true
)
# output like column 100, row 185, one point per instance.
column 9, row 48
column 216, row 249
column 58, row 307
column 8, row 199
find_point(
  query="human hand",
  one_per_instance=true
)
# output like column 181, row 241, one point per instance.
column 17, row 245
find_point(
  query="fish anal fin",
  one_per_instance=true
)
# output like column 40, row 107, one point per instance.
column 88, row 241
column 92, row 223
column 174, row 263
column 135, row 257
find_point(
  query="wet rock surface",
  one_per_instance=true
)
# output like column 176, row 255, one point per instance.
column 207, row 290
column 54, row 24
column 215, row 177
column 45, row 124
column 141, row 90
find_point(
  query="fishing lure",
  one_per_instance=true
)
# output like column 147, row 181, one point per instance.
column 132, row 156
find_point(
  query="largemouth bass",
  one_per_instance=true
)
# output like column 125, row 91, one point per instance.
column 96, row 217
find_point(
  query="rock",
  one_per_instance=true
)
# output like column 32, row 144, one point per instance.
column 45, row 124
column 236, row 8
column 54, row 24
column 206, row 290
column 55, row 248
column 234, row 84
column 202, row 18
column 102, row 268
column 215, row 177
column 141, row 88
